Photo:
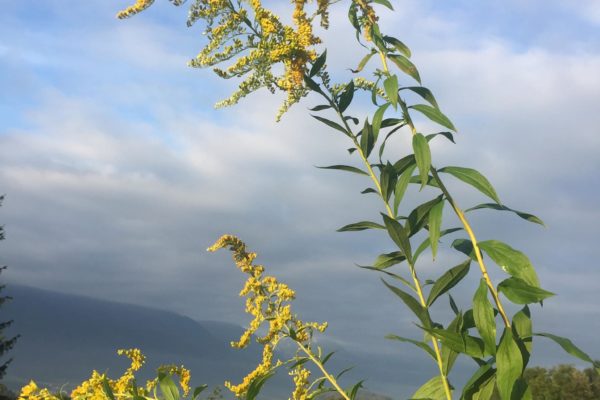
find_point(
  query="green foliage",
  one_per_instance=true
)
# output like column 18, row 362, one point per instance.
column 563, row 382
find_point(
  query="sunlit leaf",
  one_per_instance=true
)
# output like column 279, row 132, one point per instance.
column 435, row 223
column 398, row 235
column 433, row 389
column 520, row 292
column 499, row 207
column 483, row 315
column 473, row 178
column 405, row 66
column 401, row 47
column 422, row 157
column 347, row 168
column 422, row 345
column 509, row 365
column 448, row 280
column 391, row 89
column 412, row 303
column 424, row 93
column 360, row 226
column 434, row 114
column 511, row 261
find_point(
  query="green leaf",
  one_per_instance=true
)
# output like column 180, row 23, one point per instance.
column 107, row 389
column 346, row 97
column 401, row 185
column 422, row 345
column 512, row 261
column 355, row 388
column 168, row 387
column 363, row 62
column 424, row 93
column 448, row 280
column 460, row 342
column 447, row 135
column 402, row 164
column 391, row 89
column 347, row 168
column 464, row 246
column 318, row 64
column 388, row 181
column 453, row 305
column 449, row 356
column 435, row 223
column 434, row 114
column 257, row 384
column 412, row 303
column 398, row 235
column 568, row 346
column 198, row 390
column 332, row 124
column 401, row 47
column 483, row 314
column 433, row 389
column 509, row 364
column 312, row 85
column 523, row 328
column 367, row 139
column 418, row 217
column 486, row 390
column 369, row 190
column 378, row 119
column 477, row 382
column 320, row 107
column 426, row 243
column 519, row 292
column 499, row 207
column 386, row 260
column 391, row 274
column 473, row 178
column 405, row 66
column 360, row 226
column 384, row 3
column 422, row 156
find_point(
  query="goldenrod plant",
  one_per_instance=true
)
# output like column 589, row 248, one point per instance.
column 247, row 40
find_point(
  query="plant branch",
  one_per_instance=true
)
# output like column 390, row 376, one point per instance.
column 326, row 374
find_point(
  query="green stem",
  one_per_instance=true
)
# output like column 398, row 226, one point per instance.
column 326, row 374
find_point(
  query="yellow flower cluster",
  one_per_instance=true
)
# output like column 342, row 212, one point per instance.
column 266, row 300
column 123, row 387
column 301, row 381
column 256, row 36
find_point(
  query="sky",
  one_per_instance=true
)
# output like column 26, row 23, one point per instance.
column 118, row 172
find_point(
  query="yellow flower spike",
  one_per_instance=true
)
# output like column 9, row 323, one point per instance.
column 139, row 6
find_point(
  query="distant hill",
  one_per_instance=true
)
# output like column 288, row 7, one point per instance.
column 65, row 337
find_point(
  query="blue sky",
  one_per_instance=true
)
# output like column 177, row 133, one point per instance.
column 118, row 172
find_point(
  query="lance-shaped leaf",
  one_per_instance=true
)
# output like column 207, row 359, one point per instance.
column 448, row 280
column 426, row 243
column 360, row 226
column 447, row 135
column 197, row 391
column 332, row 124
column 401, row 47
column 509, row 364
column 499, row 207
column 402, row 185
column 378, row 120
column 520, row 292
column 433, row 389
column 405, row 66
column 318, row 64
column 391, row 274
column 512, row 261
column 367, row 140
column 570, row 348
column 435, row 115
column 464, row 246
column 522, row 329
column 320, row 107
column 435, row 224
column 363, row 62
column 106, row 389
column 460, row 342
column 486, row 390
column 479, row 379
column 424, row 93
column 422, row 345
column 422, row 157
column 168, row 387
column 346, row 97
column 473, row 178
column 399, row 236
column 390, row 85
column 347, row 168
column 449, row 356
column 257, row 384
column 386, row 260
column 418, row 217
column 388, row 181
column 483, row 315
column 402, row 164
column 421, row 312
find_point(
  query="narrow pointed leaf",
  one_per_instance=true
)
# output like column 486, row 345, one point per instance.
column 464, row 246
column 318, row 64
column 448, row 280
column 483, row 315
column 412, row 303
column 320, row 107
column 512, row 261
column 367, row 139
column 461, row 342
column 378, row 119
column 418, row 217
column 424, row 93
column 398, row 235
column 385, row 3
column 499, row 207
column 347, row 168
column 405, row 66
column 331, row 124
column 473, row 178
column 477, row 381
column 388, row 181
column 401, row 185
column 447, row 135
column 360, row 226
column 386, row 260
column 401, row 47
column 391, row 89
column 346, row 97
column 392, row 275
column 197, row 391
column 435, row 223
column 568, row 346
column 424, row 346
column 509, row 364
column 519, row 292
column 422, row 157
column 523, row 327
column 363, row 62
column 168, row 387
column 435, row 115
column 433, row 389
